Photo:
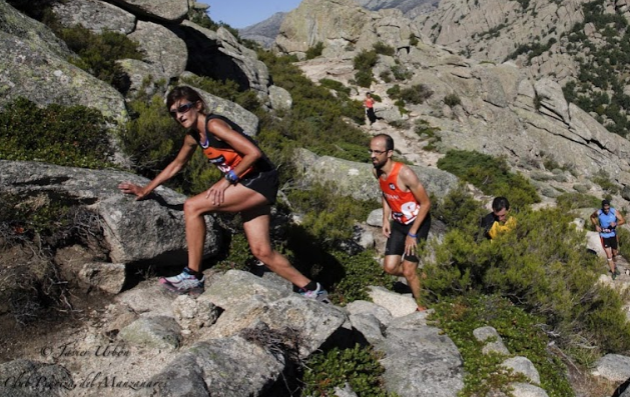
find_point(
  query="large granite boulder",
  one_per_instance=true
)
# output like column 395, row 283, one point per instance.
column 95, row 15
column 165, row 10
column 154, row 41
column 40, row 75
column 14, row 23
column 149, row 230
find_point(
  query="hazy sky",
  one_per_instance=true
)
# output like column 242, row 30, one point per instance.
column 243, row 13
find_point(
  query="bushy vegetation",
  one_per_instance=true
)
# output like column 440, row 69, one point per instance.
column 69, row 136
column 571, row 201
column 315, row 51
column 384, row 49
column 98, row 53
column 459, row 211
column 336, row 86
column 363, row 64
column 602, row 178
column 357, row 366
column 400, row 73
column 316, row 120
column 603, row 67
column 452, row 100
column 317, row 243
column 153, row 139
column 426, row 132
column 519, row 331
column 415, row 94
column 554, row 278
column 491, row 175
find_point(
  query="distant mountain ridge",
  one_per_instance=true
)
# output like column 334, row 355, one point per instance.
column 265, row 32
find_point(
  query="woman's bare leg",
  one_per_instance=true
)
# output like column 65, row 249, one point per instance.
column 256, row 225
column 237, row 198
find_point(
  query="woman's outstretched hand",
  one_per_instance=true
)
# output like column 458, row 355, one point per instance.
column 130, row 188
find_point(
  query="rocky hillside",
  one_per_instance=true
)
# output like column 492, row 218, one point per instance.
column 265, row 32
column 249, row 335
column 501, row 109
column 579, row 44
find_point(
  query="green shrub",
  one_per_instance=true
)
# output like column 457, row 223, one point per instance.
column 335, row 85
column 315, row 51
column 386, row 76
column 384, row 49
column 491, row 175
column 358, row 366
column 452, row 100
column 425, row 131
column 413, row 40
column 546, row 276
column 415, row 94
column 363, row 64
column 327, row 216
column 365, row 60
column 98, row 53
column 70, row 136
column 238, row 255
column 458, row 210
column 394, row 91
column 519, row 331
column 603, row 179
column 401, row 73
column 571, row 201
column 364, row 78
column 317, row 121
column 357, row 272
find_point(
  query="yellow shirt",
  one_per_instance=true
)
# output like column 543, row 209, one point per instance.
column 498, row 227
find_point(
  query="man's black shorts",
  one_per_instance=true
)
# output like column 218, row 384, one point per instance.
column 609, row 242
column 396, row 241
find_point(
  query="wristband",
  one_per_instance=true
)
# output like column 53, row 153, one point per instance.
column 412, row 235
column 231, row 177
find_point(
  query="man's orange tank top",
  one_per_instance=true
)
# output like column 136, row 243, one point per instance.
column 404, row 205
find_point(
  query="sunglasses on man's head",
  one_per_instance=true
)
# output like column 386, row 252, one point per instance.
column 182, row 109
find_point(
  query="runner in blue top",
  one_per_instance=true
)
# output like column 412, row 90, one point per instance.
column 606, row 221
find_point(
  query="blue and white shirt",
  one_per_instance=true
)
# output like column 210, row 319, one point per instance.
column 604, row 222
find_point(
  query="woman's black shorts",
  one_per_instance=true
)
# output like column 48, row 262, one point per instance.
column 265, row 183
column 396, row 241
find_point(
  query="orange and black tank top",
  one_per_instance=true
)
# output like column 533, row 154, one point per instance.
column 404, row 205
column 224, row 156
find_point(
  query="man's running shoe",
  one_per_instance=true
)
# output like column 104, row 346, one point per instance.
column 183, row 283
column 613, row 275
column 617, row 273
column 319, row 294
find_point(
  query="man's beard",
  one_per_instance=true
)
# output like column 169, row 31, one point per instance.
column 378, row 165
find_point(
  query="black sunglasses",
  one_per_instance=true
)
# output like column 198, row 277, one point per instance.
column 182, row 109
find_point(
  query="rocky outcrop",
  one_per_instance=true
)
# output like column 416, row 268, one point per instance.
column 153, row 39
column 357, row 179
column 492, row 30
column 95, row 15
column 42, row 76
column 166, row 10
column 134, row 231
column 340, row 25
column 14, row 23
